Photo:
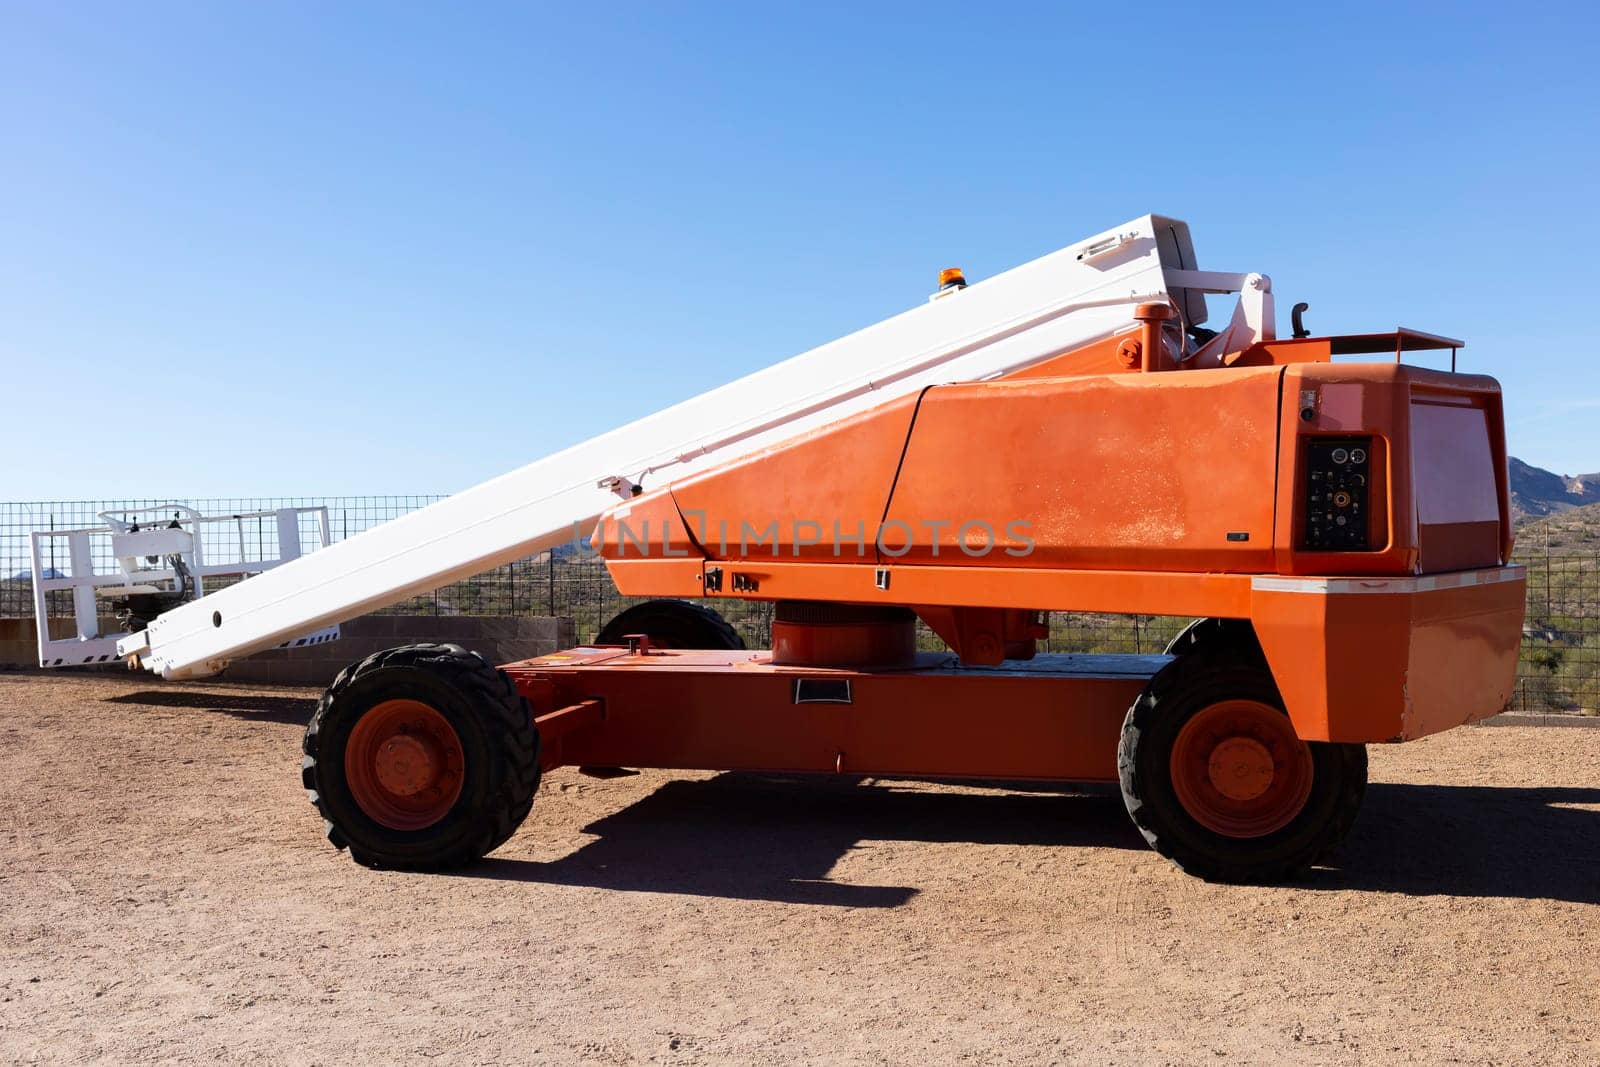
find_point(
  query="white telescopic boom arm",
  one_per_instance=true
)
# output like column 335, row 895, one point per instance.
column 1042, row 308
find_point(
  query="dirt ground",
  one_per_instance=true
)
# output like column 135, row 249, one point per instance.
column 167, row 894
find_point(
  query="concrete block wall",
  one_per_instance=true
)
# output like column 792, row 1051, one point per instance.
column 19, row 644
column 19, row 647
column 501, row 640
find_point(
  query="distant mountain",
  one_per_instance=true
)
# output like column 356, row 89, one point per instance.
column 1536, row 492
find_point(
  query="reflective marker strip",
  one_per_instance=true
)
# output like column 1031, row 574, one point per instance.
column 1425, row 584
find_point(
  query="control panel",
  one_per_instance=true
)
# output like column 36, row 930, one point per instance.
column 1336, row 494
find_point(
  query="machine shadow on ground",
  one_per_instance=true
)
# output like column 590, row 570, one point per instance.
column 753, row 837
column 749, row 837
column 1539, row 843
column 290, row 711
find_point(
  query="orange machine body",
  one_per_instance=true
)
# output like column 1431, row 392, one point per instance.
column 736, row 710
column 1107, row 481
column 1340, row 530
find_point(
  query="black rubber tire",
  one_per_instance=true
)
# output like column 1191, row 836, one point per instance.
column 498, row 740
column 1217, row 636
column 1180, row 690
column 672, row 624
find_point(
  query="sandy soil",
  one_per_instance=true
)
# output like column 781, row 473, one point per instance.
column 167, row 894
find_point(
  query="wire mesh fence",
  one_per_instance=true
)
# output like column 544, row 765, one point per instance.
column 569, row 581
column 1559, row 668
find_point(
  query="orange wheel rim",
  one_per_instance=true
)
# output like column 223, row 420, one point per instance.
column 1239, row 770
column 403, row 764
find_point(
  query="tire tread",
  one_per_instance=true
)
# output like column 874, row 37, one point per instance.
column 1224, row 672
column 509, row 721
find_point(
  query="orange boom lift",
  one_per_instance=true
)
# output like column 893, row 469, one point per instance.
column 1339, row 530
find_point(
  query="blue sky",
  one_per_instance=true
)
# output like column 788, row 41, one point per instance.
column 311, row 248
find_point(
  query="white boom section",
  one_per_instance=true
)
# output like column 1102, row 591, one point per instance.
column 995, row 326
